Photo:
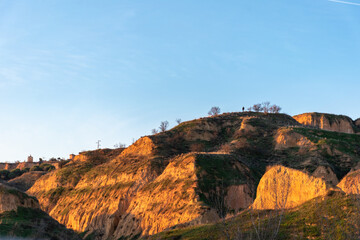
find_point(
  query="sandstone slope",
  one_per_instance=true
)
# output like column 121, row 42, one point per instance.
column 350, row 184
column 20, row 216
column 119, row 198
column 11, row 199
column 283, row 187
column 331, row 122
column 25, row 181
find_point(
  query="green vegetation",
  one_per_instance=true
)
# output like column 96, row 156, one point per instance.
column 216, row 172
column 8, row 175
column 20, row 222
column 215, row 169
column 32, row 223
column 346, row 143
column 54, row 194
column 334, row 148
column 334, row 217
column 71, row 174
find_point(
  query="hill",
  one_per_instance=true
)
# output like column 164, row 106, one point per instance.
column 20, row 216
column 195, row 173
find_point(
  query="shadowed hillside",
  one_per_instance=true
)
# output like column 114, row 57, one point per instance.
column 20, row 216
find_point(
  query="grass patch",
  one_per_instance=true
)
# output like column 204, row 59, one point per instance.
column 344, row 142
column 334, row 217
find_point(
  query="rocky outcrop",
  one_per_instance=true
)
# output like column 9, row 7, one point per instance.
column 327, row 174
column 173, row 198
column 283, row 187
column 286, row 138
column 350, row 184
column 337, row 123
column 239, row 197
column 20, row 215
column 11, row 199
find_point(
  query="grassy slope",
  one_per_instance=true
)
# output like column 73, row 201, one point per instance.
column 32, row 223
column 334, row 148
column 334, row 217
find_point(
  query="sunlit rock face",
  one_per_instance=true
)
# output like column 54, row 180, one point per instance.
column 126, row 197
column 11, row 199
column 337, row 123
column 286, row 138
column 350, row 184
column 283, row 187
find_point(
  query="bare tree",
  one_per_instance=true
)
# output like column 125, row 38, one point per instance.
column 154, row 131
column 217, row 198
column 178, row 120
column 120, row 145
column 163, row 126
column 275, row 109
column 214, row 111
column 257, row 107
column 249, row 109
column 266, row 106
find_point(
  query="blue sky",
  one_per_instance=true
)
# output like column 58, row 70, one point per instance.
column 73, row 72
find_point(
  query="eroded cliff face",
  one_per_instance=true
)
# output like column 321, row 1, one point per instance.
column 84, row 195
column 11, row 199
column 286, row 138
column 337, row 123
column 350, row 184
column 283, row 187
column 327, row 174
column 20, row 215
column 127, row 196
column 174, row 197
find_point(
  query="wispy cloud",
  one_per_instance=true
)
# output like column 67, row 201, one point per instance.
column 344, row 2
column 10, row 76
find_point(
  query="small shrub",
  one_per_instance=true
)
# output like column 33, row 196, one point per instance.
column 36, row 168
column 47, row 167
column 15, row 173
column 4, row 174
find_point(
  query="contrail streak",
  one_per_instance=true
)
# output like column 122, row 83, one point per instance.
column 350, row 3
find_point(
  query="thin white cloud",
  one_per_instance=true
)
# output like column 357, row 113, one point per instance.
column 349, row 3
column 10, row 76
